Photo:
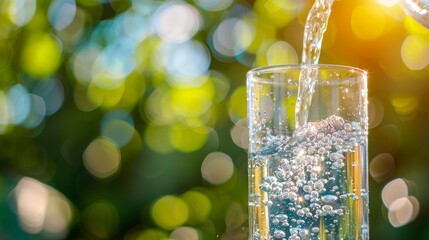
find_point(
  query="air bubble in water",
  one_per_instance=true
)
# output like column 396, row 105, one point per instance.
column 265, row 187
column 292, row 196
column 314, row 175
column 307, row 188
column 294, row 237
column 281, row 174
column 307, row 196
column 301, row 175
column 348, row 127
column 314, row 194
column 336, row 156
column 329, row 198
column 336, row 122
column 339, row 212
column 327, row 209
column 336, row 165
column 300, row 212
column 277, row 190
column 279, row 234
column 275, row 221
column 270, row 179
column 318, row 186
column 281, row 217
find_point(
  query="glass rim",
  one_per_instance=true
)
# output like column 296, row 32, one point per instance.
column 267, row 69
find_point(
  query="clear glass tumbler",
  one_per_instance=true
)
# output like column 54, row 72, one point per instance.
column 310, row 182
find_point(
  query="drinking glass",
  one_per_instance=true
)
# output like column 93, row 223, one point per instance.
column 309, row 182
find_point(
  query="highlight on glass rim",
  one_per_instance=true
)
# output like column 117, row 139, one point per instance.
column 214, row 119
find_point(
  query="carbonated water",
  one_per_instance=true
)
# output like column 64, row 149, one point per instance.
column 311, row 185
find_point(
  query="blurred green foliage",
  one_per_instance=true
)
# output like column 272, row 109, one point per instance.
column 126, row 119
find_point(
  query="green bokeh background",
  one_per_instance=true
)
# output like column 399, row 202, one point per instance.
column 126, row 119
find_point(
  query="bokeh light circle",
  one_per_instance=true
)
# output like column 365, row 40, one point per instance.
column 232, row 37
column 61, row 13
column 169, row 212
column 185, row 233
column 281, row 52
column 175, row 58
column 117, row 126
column 415, row 52
column 176, row 21
column 20, row 12
column 403, row 211
column 382, row 167
column 405, row 107
column 217, row 168
column 394, row 190
column 41, row 55
column 102, row 158
column 187, row 139
column 41, row 208
column 199, row 206
column 367, row 22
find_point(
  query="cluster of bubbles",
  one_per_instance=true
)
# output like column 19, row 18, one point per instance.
column 307, row 178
